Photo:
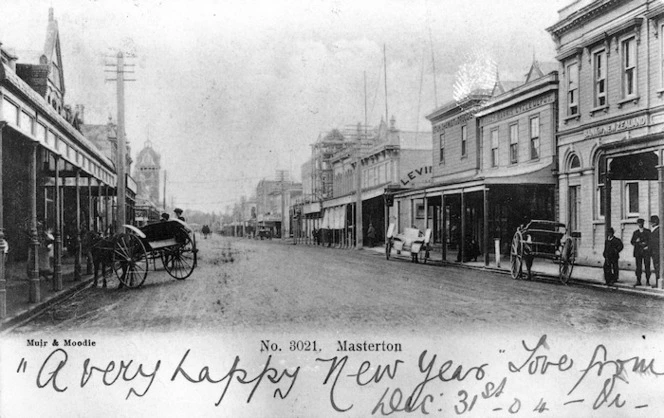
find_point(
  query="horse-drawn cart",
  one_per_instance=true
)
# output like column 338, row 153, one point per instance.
column 173, row 242
column 544, row 239
column 411, row 241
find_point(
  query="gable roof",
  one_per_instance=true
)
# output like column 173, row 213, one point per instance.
column 502, row 86
column 52, row 51
column 540, row 69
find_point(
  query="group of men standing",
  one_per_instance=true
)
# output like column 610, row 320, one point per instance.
column 646, row 246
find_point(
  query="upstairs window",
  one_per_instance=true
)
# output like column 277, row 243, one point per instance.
column 572, row 89
column 629, row 67
column 442, row 148
column 494, row 148
column 601, row 179
column 534, row 138
column 599, row 75
column 514, row 143
column 464, row 138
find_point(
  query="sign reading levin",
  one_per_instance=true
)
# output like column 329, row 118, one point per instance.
column 418, row 172
column 611, row 128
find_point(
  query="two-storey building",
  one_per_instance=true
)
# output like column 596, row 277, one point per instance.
column 47, row 165
column 452, row 201
column 494, row 156
column 611, row 123
column 389, row 159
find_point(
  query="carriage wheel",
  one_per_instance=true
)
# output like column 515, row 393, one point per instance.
column 130, row 261
column 566, row 262
column 516, row 255
column 388, row 249
column 180, row 261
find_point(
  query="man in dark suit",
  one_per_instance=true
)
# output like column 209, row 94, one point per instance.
column 641, row 242
column 612, row 248
column 654, row 245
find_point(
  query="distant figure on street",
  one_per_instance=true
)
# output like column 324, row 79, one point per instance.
column 654, row 246
column 178, row 213
column 641, row 242
column 371, row 235
column 164, row 217
column 612, row 248
column 206, row 231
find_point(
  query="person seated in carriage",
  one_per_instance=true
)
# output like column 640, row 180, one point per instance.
column 178, row 213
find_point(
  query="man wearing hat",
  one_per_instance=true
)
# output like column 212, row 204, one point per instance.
column 654, row 245
column 612, row 248
column 178, row 213
column 641, row 242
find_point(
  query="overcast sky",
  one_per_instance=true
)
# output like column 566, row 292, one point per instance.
column 230, row 91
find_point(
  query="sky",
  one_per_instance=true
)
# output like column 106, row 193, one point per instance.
column 229, row 92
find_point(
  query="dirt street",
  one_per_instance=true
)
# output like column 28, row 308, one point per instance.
column 253, row 286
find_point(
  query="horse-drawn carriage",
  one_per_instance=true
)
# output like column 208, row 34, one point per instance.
column 544, row 239
column 173, row 242
column 412, row 241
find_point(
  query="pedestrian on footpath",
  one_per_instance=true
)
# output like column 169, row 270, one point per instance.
column 654, row 246
column 371, row 235
column 612, row 248
column 641, row 242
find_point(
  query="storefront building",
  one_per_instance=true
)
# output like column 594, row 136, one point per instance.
column 390, row 160
column 611, row 119
column 52, row 177
column 517, row 157
column 453, row 200
column 493, row 166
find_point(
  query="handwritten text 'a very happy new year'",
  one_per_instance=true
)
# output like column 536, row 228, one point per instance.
column 604, row 377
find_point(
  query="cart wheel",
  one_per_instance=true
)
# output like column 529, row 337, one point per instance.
column 388, row 249
column 566, row 262
column 180, row 261
column 130, row 261
column 516, row 255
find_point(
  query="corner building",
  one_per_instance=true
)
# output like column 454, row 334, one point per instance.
column 611, row 119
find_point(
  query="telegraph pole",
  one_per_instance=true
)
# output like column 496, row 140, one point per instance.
column 281, row 175
column 122, row 141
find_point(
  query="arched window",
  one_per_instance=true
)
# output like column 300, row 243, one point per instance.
column 574, row 162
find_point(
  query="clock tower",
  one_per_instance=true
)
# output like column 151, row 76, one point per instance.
column 146, row 173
